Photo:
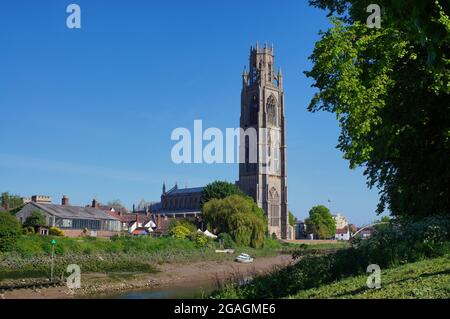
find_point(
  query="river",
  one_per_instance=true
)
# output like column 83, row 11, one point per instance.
column 186, row 291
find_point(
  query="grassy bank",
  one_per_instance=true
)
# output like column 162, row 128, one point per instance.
column 389, row 247
column 423, row 279
column 32, row 255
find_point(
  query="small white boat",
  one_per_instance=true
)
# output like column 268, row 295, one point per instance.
column 244, row 258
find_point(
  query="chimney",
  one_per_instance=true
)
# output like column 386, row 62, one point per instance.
column 65, row 200
column 94, row 203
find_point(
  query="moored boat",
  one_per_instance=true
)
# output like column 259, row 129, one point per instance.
column 244, row 258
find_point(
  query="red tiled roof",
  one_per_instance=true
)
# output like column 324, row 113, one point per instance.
column 130, row 218
column 342, row 230
column 139, row 232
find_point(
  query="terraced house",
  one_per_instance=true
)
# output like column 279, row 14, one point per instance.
column 73, row 220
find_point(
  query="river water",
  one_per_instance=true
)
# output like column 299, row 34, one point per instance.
column 186, row 291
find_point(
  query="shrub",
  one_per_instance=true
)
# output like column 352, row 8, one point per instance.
column 180, row 232
column 55, row 231
column 411, row 241
column 226, row 240
column 10, row 231
column 28, row 230
column 182, row 222
column 387, row 247
column 36, row 218
column 199, row 239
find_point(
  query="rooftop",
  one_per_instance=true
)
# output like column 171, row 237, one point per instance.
column 66, row 211
column 177, row 191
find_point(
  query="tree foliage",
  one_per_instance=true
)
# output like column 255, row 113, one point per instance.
column 389, row 88
column 36, row 218
column 10, row 201
column 238, row 216
column 182, row 222
column 10, row 230
column 180, row 232
column 292, row 219
column 320, row 222
column 219, row 190
column 55, row 231
column 117, row 205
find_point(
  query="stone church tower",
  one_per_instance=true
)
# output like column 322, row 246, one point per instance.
column 262, row 108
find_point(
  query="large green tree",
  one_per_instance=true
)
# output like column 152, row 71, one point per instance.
column 389, row 88
column 320, row 222
column 238, row 216
column 218, row 190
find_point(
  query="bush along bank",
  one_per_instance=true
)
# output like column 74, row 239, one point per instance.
column 389, row 246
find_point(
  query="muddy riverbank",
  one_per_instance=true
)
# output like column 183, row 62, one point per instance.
column 204, row 275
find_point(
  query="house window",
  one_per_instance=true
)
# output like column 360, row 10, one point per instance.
column 86, row 223
column 67, row 223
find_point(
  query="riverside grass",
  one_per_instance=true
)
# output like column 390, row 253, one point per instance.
column 424, row 279
column 31, row 257
column 390, row 246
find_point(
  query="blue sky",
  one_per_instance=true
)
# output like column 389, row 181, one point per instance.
column 89, row 113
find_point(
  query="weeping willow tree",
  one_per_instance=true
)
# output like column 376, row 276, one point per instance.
column 238, row 216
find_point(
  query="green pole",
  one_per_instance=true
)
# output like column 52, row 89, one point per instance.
column 53, row 242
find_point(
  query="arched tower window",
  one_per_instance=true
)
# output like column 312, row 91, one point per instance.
column 270, row 75
column 272, row 114
column 274, row 208
column 254, row 111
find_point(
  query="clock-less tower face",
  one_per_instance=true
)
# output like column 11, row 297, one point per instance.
column 262, row 108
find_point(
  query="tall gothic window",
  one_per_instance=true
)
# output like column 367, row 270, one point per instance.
column 253, row 74
column 269, row 67
column 274, row 208
column 254, row 111
column 272, row 116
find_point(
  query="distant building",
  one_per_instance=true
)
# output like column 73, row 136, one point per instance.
column 342, row 233
column 341, row 221
column 342, row 227
column 148, row 207
column 37, row 199
column 365, row 232
column 181, row 202
column 73, row 220
column 300, row 230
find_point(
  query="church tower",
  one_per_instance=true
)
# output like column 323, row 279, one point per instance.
column 262, row 109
